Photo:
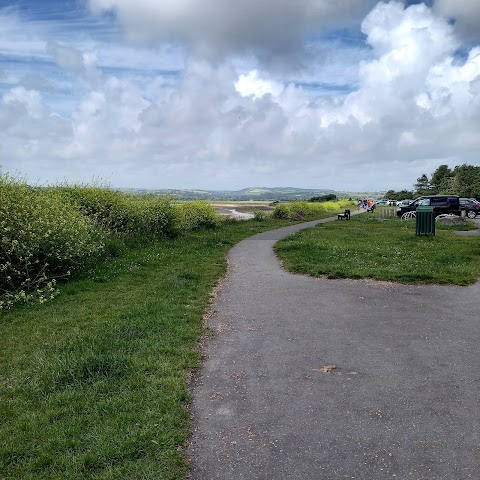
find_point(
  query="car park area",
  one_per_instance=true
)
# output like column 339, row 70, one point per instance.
column 470, row 206
column 442, row 204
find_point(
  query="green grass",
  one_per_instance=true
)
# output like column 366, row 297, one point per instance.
column 93, row 385
column 367, row 247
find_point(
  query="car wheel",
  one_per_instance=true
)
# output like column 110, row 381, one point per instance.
column 408, row 215
column 471, row 214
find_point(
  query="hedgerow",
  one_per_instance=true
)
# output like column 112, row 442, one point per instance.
column 46, row 234
column 123, row 214
column 42, row 238
column 195, row 215
column 295, row 210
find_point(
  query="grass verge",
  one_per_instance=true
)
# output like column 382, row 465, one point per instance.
column 94, row 384
column 388, row 249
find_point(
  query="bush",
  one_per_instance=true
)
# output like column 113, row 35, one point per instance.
column 48, row 233
column 195, row 215
column 260, row 215
column 123, row 214
column 302, row 209
column 324, row 198
column 309, row 210
column 281, row 211
column 42, row 238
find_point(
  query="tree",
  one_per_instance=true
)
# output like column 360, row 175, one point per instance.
column 423, row 185
column 390, row 195
column 441, row 180
column 466, row 181
column 324, row 198
column 405, row 195
column 400, row 195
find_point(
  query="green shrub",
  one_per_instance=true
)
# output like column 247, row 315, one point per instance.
column 195, row 215
column 302, row 209
column 42, row 238
column 260, row 215
column 338, row 205
column 156, row 216
column 281, row 211
column 310, row 210
column 123, row 214
column 324, row 198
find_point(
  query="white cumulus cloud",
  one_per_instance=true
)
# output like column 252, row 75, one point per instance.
column 252, row 84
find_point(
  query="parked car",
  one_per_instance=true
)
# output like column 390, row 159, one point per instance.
column 471, row 207
column 440, row 203
column 381, row 202
column 404, row 202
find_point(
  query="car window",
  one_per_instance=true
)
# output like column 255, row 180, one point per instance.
column 424, row 202
column 438, row 201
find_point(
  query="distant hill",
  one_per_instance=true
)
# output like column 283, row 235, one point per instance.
column 253, row 193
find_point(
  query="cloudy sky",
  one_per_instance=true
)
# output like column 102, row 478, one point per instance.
column 217, row 94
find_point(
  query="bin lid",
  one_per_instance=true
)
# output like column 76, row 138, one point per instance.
column 424, row 209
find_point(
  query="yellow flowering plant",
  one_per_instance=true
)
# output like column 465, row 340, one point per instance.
column 42, row 238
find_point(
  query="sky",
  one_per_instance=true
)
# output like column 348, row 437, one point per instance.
column 350, row 95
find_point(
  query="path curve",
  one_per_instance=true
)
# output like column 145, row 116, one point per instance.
column 402, row 402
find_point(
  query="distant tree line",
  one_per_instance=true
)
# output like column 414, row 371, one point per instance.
column 324, row 198
column 463, row 180
column 399, row 195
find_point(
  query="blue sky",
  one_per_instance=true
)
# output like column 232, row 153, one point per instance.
column 350, row 95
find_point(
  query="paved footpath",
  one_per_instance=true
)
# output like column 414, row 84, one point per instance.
column 402, row 402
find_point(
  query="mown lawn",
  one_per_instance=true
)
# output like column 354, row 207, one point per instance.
column 94, row 383
column 382, row 249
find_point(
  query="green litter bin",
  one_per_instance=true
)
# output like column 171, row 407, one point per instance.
column 425, row 221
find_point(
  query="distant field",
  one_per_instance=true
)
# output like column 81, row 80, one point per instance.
column 223, row 208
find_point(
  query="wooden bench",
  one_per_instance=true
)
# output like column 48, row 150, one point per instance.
column 345, row 215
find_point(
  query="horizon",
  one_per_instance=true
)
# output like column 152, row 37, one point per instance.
column 318, row 189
